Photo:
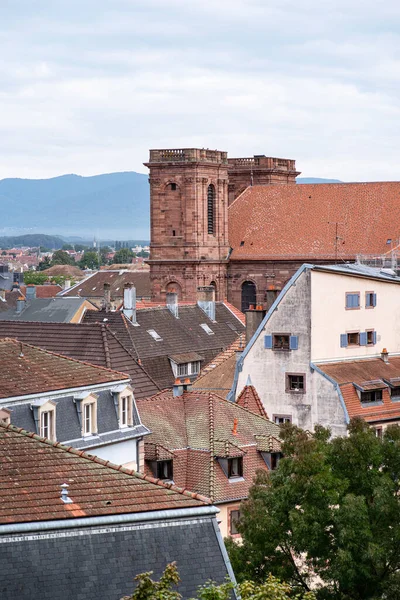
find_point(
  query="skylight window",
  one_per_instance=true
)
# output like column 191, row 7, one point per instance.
column 154, row 335
column 207, row 329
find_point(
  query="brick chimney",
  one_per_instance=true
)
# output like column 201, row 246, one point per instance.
column 254, row 317
column 107, row 297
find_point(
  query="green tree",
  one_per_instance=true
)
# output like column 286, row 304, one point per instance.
column 61, row 258
column 331, row 510
column 67, row 247
column 44, row 264
column 89, row 260
column 123, row 256
column 147, row 589
column 80, row 247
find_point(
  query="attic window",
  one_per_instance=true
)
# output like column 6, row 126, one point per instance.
column 231, row 326
column 242, row 243
column 207, row 329
column 154, row 335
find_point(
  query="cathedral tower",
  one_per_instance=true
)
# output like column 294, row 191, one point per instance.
column 189, row 222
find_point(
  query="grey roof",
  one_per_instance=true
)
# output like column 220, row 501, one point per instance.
column 47, row 310
column 358, row 269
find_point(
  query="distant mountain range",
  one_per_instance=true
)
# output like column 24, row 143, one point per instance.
column 110, row 206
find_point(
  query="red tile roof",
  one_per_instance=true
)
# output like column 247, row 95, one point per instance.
column 249, row 398
column 196, row 427
column 365, row 371
column 299, row 220
column 44, row 291
column 26, row 369
column 33, row 469
column 218, row 374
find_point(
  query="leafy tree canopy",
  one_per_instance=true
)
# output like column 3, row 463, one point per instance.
column 270, row 589
column 330, row 511
column 40, row 278
column 67, row 247
column 123, row 256
column 80, row 247
column 62, row 258
column 89, row 260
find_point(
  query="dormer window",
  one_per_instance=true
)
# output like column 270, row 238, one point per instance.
column 162, row 469
column 89, row 416
column 86, row 405
column 154, row 335
column 44, row 414
column 47, row 424
column 125, row 411
column 5, row 416
column 235, row 467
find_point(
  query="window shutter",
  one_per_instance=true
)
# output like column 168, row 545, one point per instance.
column 293, row 342
column 363, row 338
column 348, row 300
column 373, row 299
column 343, row 340
column 374, row 337
column 368, row 300
column 268, row 342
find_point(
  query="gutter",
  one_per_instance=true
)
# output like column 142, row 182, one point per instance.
column 149, row 516
column 314, row 367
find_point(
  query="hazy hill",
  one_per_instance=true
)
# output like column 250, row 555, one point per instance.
column 114, row 205
column 316, row 180
column 110, row 206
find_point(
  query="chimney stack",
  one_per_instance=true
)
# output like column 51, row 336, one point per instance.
column 206, row 300
column 67, row 284
column 129, row 308
column 172, row 303
column 254, row 317
column 180, row 387
column 20, row 305
column 107, row 297
column 385, row 356
column 30, row 291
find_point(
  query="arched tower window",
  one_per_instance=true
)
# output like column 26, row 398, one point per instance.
column 211, row 209
column 249, row 294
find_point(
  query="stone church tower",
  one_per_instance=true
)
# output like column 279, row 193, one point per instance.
column 189, row 222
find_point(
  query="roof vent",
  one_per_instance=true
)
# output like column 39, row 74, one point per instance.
column 385, row 356
column 64, row 493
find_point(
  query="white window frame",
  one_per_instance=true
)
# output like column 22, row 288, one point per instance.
column 48, row 431
column 127, row 400
column 91, row 405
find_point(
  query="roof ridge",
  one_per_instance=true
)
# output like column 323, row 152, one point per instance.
column 105, row 345
column 257, row 399
column 105, row 463
column 74, row 360
column 211, row 443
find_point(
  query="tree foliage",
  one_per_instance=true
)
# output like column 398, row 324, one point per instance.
column 270, row 589
column 123, row 256
column 89, row 260
column 329, row 513
column 62, row 258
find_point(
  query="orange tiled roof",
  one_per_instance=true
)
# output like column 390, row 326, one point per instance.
column 34, row 468
column 219, row 373
column 366, row 371
column 44, row 291
column 199, row 426
column 26, row 369
column 249, row 398
column 300, row 220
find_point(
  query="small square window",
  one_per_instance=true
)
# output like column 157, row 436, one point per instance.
column 234, row 518
column 395, row 393
column 164, row 470
column 235, row 467
column 173, row 187
column 352, row 300
column 353, row 339
column 295, row 382
column 281, row 419
column 281, row 341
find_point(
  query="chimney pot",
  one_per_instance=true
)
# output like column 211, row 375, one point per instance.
column 385, row 355
column 235, row 425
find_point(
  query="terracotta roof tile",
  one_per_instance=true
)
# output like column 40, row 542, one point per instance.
column 26, row 369
column 93, row 286
column 197, row 427
column 264, row 221
column 33, row 469
column 218, row 374
column 44, row 291
column 249, row 398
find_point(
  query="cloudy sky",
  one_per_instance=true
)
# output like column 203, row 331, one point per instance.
column 88, row 86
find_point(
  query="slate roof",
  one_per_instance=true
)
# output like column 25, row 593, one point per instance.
column 295, row 221
column 26, row 369
column 50, row 310
column 363, row 373
column 93, row 286
column 33, row 469
column 218, row 375
column 178, row 336
column 197, row 427
column 93, row 343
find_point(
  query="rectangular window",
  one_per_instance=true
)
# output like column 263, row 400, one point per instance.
column 195, row 368
column 234, row 517
column 395, row 393
column 281, row 341
column 125, row 411
column 281, row 419
column 353, row 338
column 371, row 396
column 183, row 369
column 371, row 337
column 295, row 382
column 47, row 424
column 370, row 299
column 352, row 300
column 235, row 467
column 378, row 432
column 88, row 418
column 164, row 470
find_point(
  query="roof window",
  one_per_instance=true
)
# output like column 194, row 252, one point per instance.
column 207, row 329
column 154, row 335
